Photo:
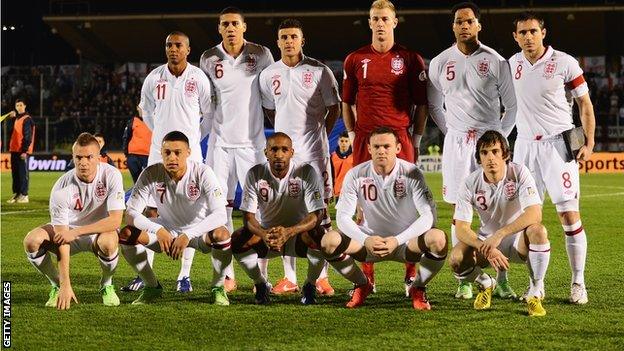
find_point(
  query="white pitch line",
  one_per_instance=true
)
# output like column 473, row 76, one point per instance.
column 603, row 186
column 24, row 211
column 601, row 195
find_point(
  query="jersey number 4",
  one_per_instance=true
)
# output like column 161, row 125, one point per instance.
column 78, row 205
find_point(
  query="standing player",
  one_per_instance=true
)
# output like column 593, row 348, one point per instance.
column 382, row 82
column 399, row 212
column 545, row 82
column 192, row 213
column 300, row 95
column 466, row 84
column 86, row 208
column 510, row 210
column 237, row 131
column 175, row 96
column 288, row 197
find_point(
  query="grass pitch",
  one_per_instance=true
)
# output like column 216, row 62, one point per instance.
column 386, row 322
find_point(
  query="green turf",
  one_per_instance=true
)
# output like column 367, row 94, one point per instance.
column 387, row 321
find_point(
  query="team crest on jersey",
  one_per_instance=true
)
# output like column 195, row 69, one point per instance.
column 100, row 190
column 549, row 69
column 263, row 189
column 192, row 191
column 294, row 187
column 483, row 67
column 190, row 87
column 397, row 64
column 252, row 62
column 400, row 188
column 306, row 79
column 510, row 190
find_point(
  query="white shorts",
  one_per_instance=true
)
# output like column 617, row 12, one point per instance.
column 323, row 168
column 197, row 243
column 546, row 160
column 231, row 164
column 458, row 161
column 509, row 247
column 84, row 243
column 398, row 254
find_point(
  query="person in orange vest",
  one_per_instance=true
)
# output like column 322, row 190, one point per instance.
column 104, row 158
column 137, row 138
column 20, row 146
column 341, row 162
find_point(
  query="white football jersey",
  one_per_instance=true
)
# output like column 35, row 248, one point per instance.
column 172, row 103
column 286, row 201
column 497, row 204
column 76, row 203
column 300, row 96
column 391, row 205
column 238, row 118
column 464, row 91
column 545, row 92
column 194, row 205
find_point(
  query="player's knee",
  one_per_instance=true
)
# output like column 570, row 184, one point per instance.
column 456, row 259
column 567, row 216
column 437, row 241
column 128, row 235
column 330, row 242
column 219, row 234
column 537, row 233
column 107, row 243
column 34, row 239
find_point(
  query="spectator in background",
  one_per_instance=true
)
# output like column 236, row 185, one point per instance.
column 137, row 138
column 20, row 146
column 341, row 161
column 104, row 158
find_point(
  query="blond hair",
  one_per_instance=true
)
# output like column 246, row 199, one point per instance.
column 383, row 4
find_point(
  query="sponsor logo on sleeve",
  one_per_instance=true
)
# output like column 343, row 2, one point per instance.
column 317, row 195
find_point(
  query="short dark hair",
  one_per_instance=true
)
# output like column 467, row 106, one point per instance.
column 278, row 135
column 176, row 135
column 467, row 5
column 290, row 23
column 84, row 139
column 344, row 134
column 23, row 101
column 180, row 34
column 489, row 138
column 528, row 16
column 383, row 130
column 232, row 10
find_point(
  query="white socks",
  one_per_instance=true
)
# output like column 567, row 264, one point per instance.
column 108, row 265
column 430, row 265
column 290, row 268
column 43, row 263
column 187, row 262
column 346, row 267
column 137, row 258
column 576, row 246
column 538, row 258
column 249, row 261
column 221, row 258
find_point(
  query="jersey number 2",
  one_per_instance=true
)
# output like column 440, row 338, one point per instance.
column 276, row 87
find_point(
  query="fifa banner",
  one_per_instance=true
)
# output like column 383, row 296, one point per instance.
column 57, row 162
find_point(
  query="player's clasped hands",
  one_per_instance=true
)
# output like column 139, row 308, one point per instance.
column 277, row 237
column 379, row 246
column 66, row 295
column 165, row 239
column 179, row 244
column 65, row 237
column 489, row 244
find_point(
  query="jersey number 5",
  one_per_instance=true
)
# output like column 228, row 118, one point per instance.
column 450, row 72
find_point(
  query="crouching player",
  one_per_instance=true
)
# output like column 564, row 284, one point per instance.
column 86, row 208
column 192, row 213
column 289, row 200
column 509, row 207
column 399, row 214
